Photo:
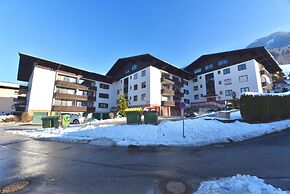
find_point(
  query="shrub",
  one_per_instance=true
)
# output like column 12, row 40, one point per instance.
column 25, row 117
column 256, row 107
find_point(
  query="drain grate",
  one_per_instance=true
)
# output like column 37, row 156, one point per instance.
column 14, row 187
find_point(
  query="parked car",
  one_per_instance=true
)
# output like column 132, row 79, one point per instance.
column 190, row 114
column 77, row 119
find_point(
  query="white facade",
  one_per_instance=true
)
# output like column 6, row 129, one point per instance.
column 239, row 81
column 40, row 90
column 8, row 94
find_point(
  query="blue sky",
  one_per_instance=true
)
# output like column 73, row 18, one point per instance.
column 93, row 34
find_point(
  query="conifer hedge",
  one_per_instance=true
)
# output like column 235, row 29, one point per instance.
column 256, row 108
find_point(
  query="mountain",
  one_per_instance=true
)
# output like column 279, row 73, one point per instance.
column 278, row 45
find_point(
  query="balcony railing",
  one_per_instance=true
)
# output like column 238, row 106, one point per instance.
column 167, row 103
column 166, row 80
column 179, row 94
column 69, row 108
column 63, row 96
column 72, row 85
column 167, row 92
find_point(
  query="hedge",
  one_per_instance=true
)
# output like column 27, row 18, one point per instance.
column 257, row 107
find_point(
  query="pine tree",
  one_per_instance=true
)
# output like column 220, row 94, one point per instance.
column 122, row 105
column 235, row 100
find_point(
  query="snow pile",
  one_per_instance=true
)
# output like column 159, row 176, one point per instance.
column 198, row 132
column 3, row 117
column 265, row 94
column 238, row 184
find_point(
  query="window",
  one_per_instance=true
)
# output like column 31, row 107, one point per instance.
column 227, row 71
column 228, row 81
column 143, row 97
column 143, row 85
column 103, row 105
column 65, row 90
column 246, row 89
column 104, row 86
column 143, row 73
column 219, row 72
column 196, row 97
column 243, row 78
column 135, row 98
column 130, row 76
column 200, row 86
column 118, row 92
column 194, row 79
column 186, row 92
column 103, row 95
column 228, row 92
column 186, row 101
column 222, row 62
column 220, row 82
column 81, row 104
column 136, row 87
column 242, row 67
column 199, row 77
column 135, row 76
column 186, row 83
column 221, row 93
column 201, row 95
column 130, row 87
column 84, row 93
column 197, row 70
column 134, row 67
column 208, row 67
column 195, row 88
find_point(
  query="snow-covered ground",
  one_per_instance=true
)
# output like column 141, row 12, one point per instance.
column 239, row 184
column 198, row 132
column 3, row 117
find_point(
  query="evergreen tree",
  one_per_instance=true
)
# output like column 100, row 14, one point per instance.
column 235, row 100
column 122, row 105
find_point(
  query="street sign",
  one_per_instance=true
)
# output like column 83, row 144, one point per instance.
column 182, row 105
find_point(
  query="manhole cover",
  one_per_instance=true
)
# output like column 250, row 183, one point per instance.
column 13, row 187
column 175, row 187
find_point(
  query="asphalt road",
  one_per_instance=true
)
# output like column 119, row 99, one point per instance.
column 53, row 167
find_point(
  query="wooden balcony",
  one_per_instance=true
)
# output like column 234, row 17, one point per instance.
column 178, row 84
column 63, row 96
column 168, row 103
column 167, row 92
column 166, row 80
column 71, row 85
column 69, row 108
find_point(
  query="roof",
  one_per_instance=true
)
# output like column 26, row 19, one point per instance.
column 149, row 60
column 9, row 85
column 27, row 63
column 260, row 54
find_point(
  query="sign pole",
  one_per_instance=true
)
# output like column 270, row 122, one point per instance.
column 182, row 107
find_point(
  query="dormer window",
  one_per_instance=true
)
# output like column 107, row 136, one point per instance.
column 134, row 67
column 223, row 62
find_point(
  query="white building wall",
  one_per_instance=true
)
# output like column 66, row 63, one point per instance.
column 254, row 81
column 41, row 93
column 108, row 101
column 154, row 86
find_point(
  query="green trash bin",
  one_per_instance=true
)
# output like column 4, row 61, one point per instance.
column 46, row 122
column 55, row 121
column 96, row 116
column 65, row 121
column 133, row 117
column 105, row 116
column 150, row 117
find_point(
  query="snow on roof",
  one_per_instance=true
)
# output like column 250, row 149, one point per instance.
column 285, row 69
column 9, row 84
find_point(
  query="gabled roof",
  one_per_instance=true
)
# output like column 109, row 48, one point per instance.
column 260, row 54
column 148, row 60
column 27, row 62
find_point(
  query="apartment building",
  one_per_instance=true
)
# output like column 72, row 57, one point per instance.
column 216, row 76
column 54, row 87
column 147, row 81
column 12, row 99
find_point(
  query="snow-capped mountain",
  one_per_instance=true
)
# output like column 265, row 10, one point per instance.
column 278, row 44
